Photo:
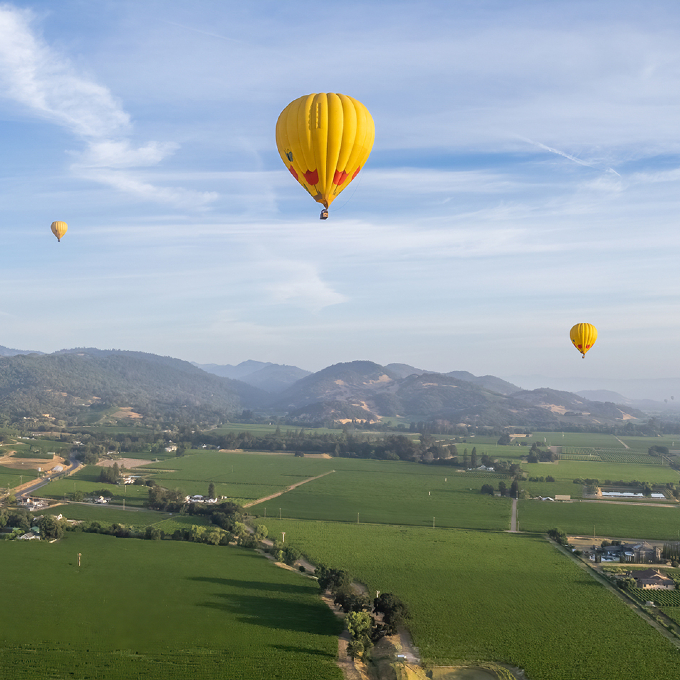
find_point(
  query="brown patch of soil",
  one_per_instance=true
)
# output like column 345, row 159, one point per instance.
column 127, row 463
column 44, row 464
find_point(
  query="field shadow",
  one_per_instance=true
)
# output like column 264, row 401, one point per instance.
column 304, row 650
column 277, row 613
column 255, row 585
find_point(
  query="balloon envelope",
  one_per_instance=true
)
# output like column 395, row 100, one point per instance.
column 583, row 336
column 324, row 140
column 59, row 229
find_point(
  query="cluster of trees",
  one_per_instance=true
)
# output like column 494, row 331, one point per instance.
column 559, row 536
column 671, row 551
column 538, row 454
column 15, row 517
column 226, row 526
column 110, row 475
column 364, row 615
column 549, row 478
column 503, row 490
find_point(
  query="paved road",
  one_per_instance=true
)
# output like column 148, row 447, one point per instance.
column 29, row 489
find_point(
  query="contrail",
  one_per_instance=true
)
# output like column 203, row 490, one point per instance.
column 565, row 155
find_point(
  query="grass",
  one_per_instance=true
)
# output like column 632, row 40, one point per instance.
column 506, row 598
column 161, row 610
column 106, row 515
column 571, row 469
column 87, row 481
column 395, row 493
column 240, row 477
column 602, row 519
column 9, row 477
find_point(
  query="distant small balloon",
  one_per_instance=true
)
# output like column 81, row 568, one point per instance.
column 59, row 229
column 583, row 336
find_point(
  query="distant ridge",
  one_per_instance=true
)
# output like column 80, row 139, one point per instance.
column 266, row 376
column 7, row 352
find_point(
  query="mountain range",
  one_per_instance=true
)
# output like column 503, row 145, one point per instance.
column 86, row 385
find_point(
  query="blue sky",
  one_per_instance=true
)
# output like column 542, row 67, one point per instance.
column 525, row 177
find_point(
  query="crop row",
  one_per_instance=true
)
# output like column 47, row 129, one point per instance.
column 481, row 596
column 661, row 598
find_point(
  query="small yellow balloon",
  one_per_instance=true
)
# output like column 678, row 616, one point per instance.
column 59, row 229
column 324, row 140
column 583, row 336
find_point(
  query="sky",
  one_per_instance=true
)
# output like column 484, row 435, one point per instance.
column 525, row 177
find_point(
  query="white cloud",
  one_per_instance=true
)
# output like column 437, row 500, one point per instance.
column 44, row 81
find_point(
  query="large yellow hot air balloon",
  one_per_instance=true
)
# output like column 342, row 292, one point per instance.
column 59, row 229
column 583, row 336
column 324, row 140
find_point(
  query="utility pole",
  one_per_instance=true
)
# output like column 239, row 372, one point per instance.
column 357, row 518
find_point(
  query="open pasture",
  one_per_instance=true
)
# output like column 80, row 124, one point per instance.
column 159, row 610
column 87, row 481
column 565, row 470
column 9, row 477
column 643, row 443
column 590, row 439
column 261, row 429
column 482, row 596
column 239, row 476
column 395, row 493
column 600, row 518
column 106, row 515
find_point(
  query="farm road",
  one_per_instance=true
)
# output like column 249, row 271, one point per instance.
column 625, row 446
column 513, row 519
column 288, row 488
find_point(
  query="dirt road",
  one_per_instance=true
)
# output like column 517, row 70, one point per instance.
column 288, row 488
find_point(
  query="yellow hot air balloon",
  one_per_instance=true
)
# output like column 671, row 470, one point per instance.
column 583, row 336
column 324, row 140
column 59, row 229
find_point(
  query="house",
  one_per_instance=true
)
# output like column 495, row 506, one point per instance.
column 652, row 579
column 639, row 553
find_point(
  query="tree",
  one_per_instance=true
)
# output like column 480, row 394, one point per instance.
column 332, row 579
column 514, row 488
column 153, row 534
column 211, row 490
column 502, row 489
column 394, row 611
column 50, row 527
column 504, row 439
column 487, row 488
column 359, row 625
column 473, row 457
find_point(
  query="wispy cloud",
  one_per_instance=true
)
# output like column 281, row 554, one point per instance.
column 44, row 81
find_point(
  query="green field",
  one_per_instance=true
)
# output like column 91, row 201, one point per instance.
column 86, row 480
column 9, row 477
column 571, row 469
column 388, row 492
column 507, row 598
column 105, row 514
column 158, row 610
column 601, row 519
column 241, row 477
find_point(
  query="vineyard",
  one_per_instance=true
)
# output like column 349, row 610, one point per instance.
column 159, row 610
column 481, row 596
column 661, row 598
